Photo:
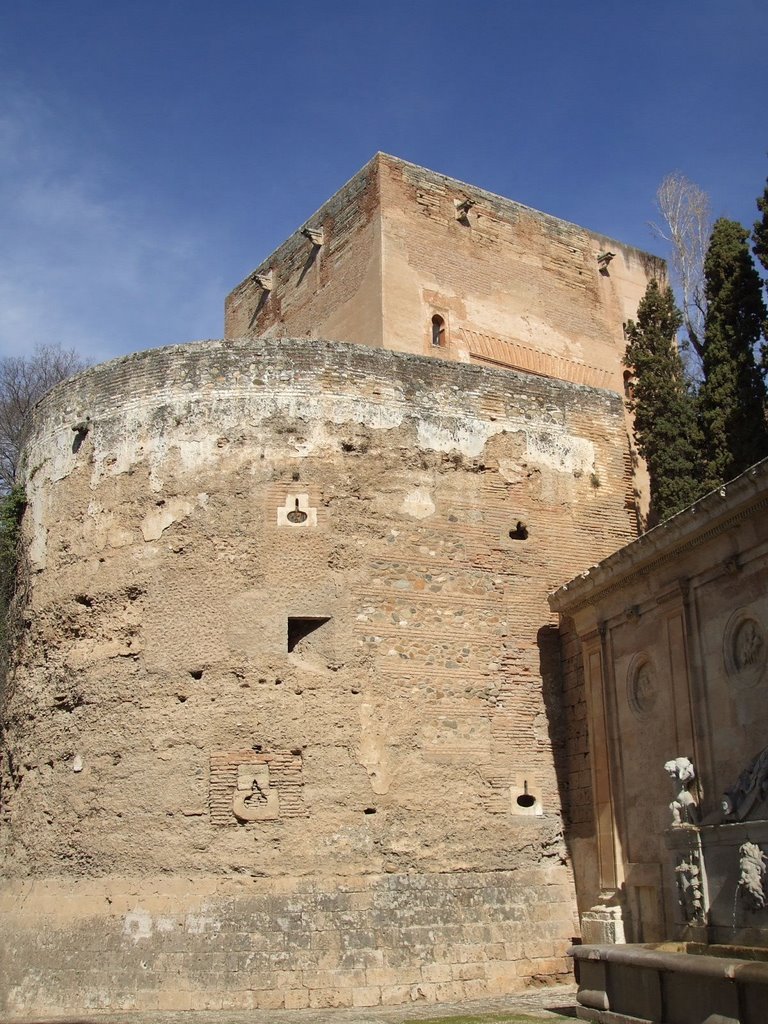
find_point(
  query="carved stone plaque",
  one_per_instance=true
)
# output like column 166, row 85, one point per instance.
column 297, row 511
column 249, row 786
column 253, row 800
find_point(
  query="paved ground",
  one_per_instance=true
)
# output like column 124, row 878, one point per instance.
column 544, row 1004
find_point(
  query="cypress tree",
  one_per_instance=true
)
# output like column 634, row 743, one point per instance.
column 760, row 249
column 732, row 396
column 760, row 230
column 666, row 429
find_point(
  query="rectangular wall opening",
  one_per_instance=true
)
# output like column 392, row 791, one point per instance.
column 302, row 626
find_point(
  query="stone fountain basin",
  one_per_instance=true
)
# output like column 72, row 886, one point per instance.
column 671, row 983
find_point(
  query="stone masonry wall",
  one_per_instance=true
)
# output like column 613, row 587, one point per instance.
column 283, row 627
column 283, row 943
column 576, row 782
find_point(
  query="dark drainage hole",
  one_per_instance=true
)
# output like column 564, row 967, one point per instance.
column 526, row 800
column 296, row 515
column 196, row 673
column 369, row 810
column 520, row 532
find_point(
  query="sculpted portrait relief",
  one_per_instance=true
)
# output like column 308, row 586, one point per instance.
column 744, row 648
column 641, row 685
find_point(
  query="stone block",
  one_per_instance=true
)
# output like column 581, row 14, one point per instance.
column 437, row 972
column 327, row 998
column 269, row 999
column 174, row 999
column 296, row 999
column 382, row 976
column 476, row 988
column 369, row 995
column 468, row 972
column 449, row 992
column 394, row 995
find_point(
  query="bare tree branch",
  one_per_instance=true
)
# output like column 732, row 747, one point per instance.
column 686, row 224
column 23, row 381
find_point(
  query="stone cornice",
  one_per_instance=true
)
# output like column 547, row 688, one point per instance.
column 708, row 517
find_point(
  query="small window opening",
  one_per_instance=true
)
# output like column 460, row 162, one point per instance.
column 296, row 515
column 301, row 627
column 520, row 532
column 526, row 799
column 438, row 330
column 629, row 384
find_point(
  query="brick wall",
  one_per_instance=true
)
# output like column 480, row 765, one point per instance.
column 329, row 290
column 515, row 287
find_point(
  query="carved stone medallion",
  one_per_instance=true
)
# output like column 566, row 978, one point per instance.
column 744, row 648
column 642, row 691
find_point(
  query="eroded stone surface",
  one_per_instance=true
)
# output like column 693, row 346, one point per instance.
column 382, row 672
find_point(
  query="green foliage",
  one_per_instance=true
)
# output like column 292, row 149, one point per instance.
column 666, row 429
column 732, row 397
column 12, row 507
column 760, row 230
column 760, row 249
column 512, row 1017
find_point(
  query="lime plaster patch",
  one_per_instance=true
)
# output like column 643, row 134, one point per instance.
column 418, row 504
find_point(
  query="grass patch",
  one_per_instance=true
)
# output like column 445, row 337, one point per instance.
column 493, row 1018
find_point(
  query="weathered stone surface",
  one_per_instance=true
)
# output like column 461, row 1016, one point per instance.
column 379, row 673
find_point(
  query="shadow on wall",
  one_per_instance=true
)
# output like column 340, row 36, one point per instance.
column 548, row 641
column 564, row 700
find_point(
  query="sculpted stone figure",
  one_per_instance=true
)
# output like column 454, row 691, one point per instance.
column 748, row 644
column 684, row 808
column 749, row 790
column 752, row 863
column 690, row 889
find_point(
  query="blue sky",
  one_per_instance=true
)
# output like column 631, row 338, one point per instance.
column 152, row 152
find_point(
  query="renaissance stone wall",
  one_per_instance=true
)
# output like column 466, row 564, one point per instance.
column 283, row 719
column 673, row 634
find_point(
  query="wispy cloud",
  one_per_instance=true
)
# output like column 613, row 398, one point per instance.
column 82, row 265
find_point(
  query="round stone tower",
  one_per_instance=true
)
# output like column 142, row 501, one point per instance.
column 282, row 714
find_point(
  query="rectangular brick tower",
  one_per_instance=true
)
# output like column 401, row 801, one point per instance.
column 403, row 258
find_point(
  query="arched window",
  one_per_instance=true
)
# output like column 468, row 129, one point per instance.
column 438, row 330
